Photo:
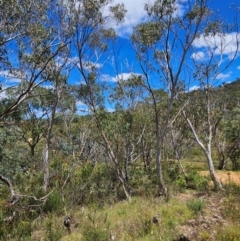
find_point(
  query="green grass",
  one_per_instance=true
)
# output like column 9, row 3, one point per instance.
column 131, row 221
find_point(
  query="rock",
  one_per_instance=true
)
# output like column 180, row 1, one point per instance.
column 192, row 222
column 204, row 225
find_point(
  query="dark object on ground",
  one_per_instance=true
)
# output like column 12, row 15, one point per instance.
column 182, row 238
column 155, row 220
column 67, row 222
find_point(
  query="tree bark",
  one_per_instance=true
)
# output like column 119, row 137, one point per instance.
column 216, row 181
column 159, row 170
column 48, row 140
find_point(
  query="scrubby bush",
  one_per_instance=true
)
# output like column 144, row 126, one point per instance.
column 196, row 181
column 195, row 205
column 54, row 202
column 229, row 233
column 181, row 183
column 90, row 234
column 52, row 231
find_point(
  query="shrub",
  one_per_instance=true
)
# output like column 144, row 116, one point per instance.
column 53, row 232
column 91, row 233
column 195, row 205
column 230, row 233
column 54, row 202
column 197, row 182
column 172, row 170
column 231, row 208
column 181, row 183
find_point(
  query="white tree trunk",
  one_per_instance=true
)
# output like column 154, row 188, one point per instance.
column 207, row 151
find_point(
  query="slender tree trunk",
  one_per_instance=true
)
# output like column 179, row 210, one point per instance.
column 48, row 139
column 159, row 170
column 120, row 173
column 180, row 164
column 207, row 151
column 216, row 181
column 32, row 150
column 46, row 167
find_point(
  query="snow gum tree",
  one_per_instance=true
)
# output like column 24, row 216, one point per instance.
column 213, row 51
column 92, row 36
column 163, row 46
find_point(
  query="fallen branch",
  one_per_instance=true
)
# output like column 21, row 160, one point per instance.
column 15, row 197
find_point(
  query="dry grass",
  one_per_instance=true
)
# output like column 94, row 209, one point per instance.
column 225, row 177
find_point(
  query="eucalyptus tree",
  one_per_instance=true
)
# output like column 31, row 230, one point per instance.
column 220, row 43
column 57, row 82
column 31, row 124
column 163, row 43
column 226, row 130
column 227, row 133
column 179, row 139
column 127, row 96
column 30, row 39
column 92, row 36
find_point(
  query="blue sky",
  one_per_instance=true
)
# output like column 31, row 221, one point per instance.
column 127, row 63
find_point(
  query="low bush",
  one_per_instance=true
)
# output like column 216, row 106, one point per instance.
column 196, row 181
column 195, row 205
column 54, row 203
column 181, row 183
column 229, row 233
column 90, row 234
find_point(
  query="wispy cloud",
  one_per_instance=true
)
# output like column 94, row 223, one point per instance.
column 87, row 65
column 200, row 55
column 110, row 109
column 3, row 93
column 238, row 67
column 195, row 87
column 222, row 76
column 107, row 78
column 219, row 44
column 14, row 76
column 119, row 77
column 136, row 14
column 81, row 107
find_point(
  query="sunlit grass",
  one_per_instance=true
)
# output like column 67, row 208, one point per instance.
column 131, row 220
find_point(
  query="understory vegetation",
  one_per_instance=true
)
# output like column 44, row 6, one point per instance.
column 99, row 142
column 98, row 208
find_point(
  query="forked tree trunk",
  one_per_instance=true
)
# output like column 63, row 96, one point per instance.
column 114, row 159
column 207, row 152
column 48, row 140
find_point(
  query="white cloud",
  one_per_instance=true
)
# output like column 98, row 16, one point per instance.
column 200, row 55
column 81, row 107
column 87, row 65
column 238, row 67
column 14, row 76
column 219, row 44
column 195, row 87
column 3, row 94
column 122, row 77
column 107, row 78
column 136, row 14
column 110, row 109
column 222, row 76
